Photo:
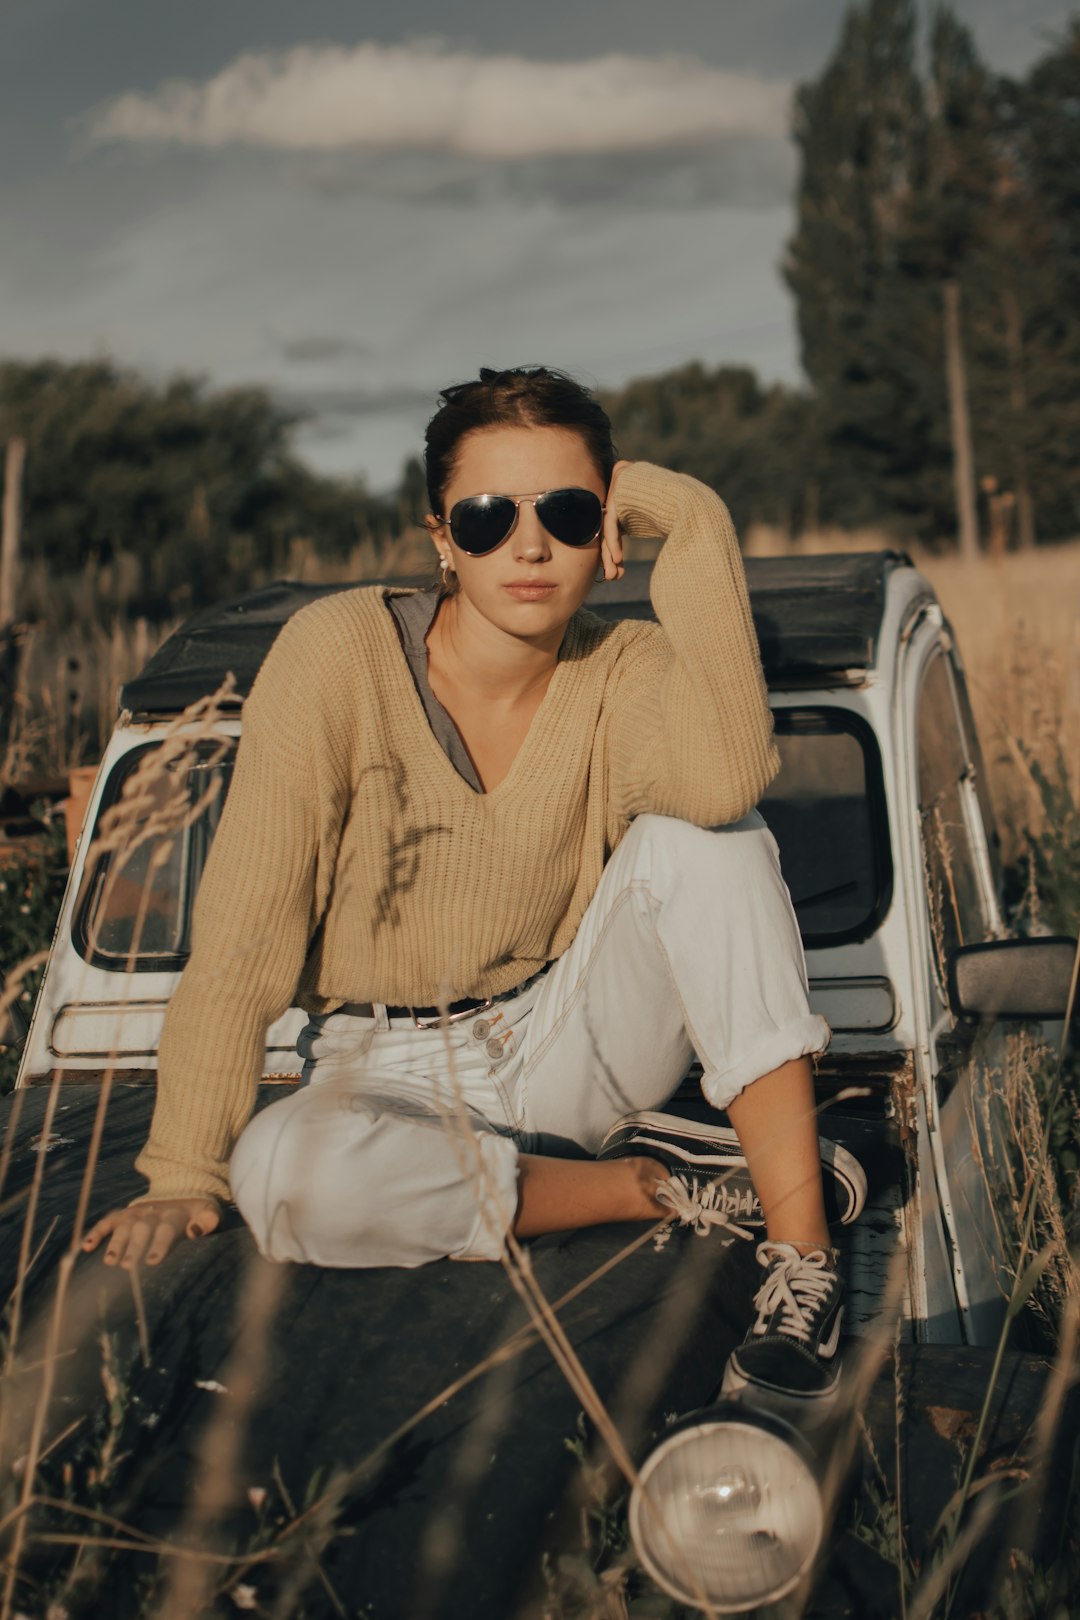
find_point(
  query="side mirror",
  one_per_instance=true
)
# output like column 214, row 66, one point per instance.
column 1012, row 978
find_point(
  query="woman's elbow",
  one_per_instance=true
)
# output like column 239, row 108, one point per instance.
column 718, row 798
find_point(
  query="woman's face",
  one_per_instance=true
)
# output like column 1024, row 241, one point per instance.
column 531, row 584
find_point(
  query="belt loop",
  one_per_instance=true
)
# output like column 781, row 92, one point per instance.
column 382, row 1022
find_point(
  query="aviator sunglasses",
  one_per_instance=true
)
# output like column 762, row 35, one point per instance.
column 479, row 523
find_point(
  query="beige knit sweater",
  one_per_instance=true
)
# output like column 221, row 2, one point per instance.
column 352, row 863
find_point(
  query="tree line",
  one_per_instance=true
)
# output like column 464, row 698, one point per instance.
column 184, row 494
column 935, row 268
column 932, row 194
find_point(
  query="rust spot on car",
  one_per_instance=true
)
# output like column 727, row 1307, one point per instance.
column 951, row 1422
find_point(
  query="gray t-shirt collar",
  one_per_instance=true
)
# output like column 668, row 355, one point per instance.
column 414, row 615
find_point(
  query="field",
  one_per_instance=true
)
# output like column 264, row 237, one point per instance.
column 1017, row 620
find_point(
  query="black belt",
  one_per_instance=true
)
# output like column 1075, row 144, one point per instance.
column 429, row 1017
column 426, row 1016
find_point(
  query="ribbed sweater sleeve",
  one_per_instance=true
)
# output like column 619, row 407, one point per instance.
column 254, row 915
column 690, row 725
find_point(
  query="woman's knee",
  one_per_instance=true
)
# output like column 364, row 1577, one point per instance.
column 741, row 852
column 332, row 1177
column 288, row 1167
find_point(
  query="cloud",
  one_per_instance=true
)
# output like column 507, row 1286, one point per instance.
column 429, row 97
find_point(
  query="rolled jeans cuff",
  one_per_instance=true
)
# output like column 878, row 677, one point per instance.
column 496, row 1198
column 799, row 1038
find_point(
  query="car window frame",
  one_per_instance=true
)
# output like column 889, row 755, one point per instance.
column 171, row 962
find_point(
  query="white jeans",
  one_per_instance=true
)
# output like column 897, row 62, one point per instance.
column 402, row 1144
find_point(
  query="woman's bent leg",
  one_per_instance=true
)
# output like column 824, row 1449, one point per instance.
column 335, row 1176
column 689, row 944
column 775, row 1119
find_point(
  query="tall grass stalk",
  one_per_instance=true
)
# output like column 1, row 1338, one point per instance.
column 121, row 836
column 215, row 1490
column 1027, row 1275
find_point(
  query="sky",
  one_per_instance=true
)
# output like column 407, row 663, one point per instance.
column 355, row 204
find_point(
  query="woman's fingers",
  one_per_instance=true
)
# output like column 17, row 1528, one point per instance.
column 148, row 1231
column 140, row 1233
column 101, row 1229
column 612, row 546
column 201, row 1219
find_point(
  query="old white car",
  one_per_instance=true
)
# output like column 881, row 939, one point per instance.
column 888, row 845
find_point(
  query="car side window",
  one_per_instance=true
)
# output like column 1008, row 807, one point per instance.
column 135, row 910
column 950, row 863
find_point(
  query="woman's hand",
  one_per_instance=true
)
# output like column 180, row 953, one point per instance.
column 611, row 550
column 149, row 1230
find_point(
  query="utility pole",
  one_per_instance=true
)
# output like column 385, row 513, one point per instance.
column 960, row 424
column 10, row 640
column 9, row 534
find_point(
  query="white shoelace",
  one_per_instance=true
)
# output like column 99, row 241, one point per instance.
column 702, row 1205
column 798, row 1282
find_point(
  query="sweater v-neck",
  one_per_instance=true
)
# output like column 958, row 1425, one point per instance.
column 538, row 723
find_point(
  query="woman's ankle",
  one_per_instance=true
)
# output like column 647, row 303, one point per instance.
column 650, row 1174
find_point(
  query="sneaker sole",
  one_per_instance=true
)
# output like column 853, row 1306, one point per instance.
column 848, row 1174
column 801, row 1407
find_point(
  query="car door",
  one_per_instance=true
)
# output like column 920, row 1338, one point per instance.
column 963, row 1065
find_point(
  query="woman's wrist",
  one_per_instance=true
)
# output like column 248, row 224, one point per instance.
column 650, row 500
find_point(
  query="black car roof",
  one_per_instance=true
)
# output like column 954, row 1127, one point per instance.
column 815, row 616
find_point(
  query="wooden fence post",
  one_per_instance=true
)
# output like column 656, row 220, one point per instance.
column 960, row 424
column 9, row 533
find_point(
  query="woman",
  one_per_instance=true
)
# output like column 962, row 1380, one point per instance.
column 505, row 855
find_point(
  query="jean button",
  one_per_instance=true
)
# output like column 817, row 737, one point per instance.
column 481, row 1029
column 494, row 1048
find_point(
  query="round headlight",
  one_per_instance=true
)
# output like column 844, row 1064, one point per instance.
column 729, row 1504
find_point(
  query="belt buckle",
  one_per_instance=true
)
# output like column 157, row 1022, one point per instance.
column 452, row 1018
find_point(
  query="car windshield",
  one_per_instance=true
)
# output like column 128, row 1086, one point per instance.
column 825, row 809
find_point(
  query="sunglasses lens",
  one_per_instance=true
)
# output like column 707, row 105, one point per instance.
column 573, row 516
column 481, row 522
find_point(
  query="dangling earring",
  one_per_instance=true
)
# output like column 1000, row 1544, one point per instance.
column 444, row 567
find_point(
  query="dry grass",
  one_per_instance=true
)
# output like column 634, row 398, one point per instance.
column 1017, row 623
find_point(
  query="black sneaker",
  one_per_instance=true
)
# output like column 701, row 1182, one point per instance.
column 789, row 1361
column 707, row 1152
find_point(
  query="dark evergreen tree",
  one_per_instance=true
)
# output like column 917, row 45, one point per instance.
column 869, row 346
column 909, row 187
column 1043, row 268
